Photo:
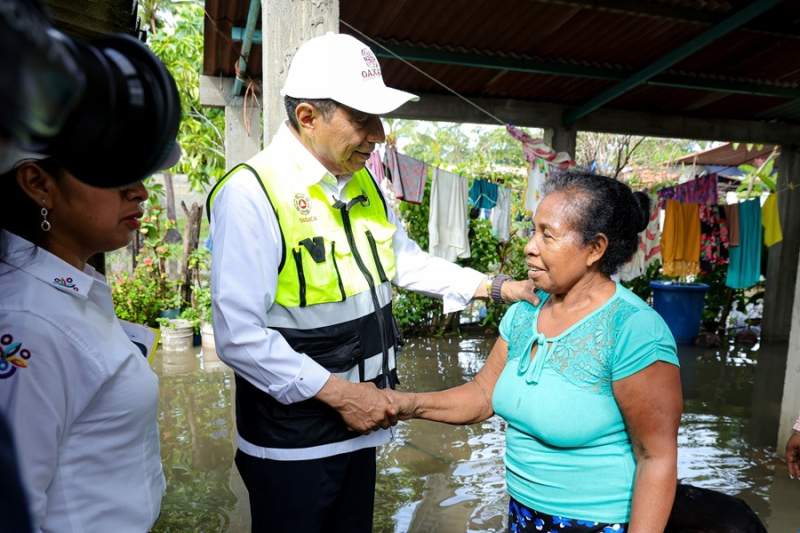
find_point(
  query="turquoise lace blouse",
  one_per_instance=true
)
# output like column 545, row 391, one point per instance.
column 567, row 451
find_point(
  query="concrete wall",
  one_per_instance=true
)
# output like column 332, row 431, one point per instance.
column 561, row 139
column 288, row 24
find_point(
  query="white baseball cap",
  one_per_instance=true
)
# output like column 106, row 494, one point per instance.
column 340, row 67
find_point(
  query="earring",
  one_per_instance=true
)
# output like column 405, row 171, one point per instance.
column 45, row 225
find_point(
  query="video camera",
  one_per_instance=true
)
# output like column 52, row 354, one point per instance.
column 108, row 109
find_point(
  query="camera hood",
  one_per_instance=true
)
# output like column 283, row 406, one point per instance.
column 124, row 126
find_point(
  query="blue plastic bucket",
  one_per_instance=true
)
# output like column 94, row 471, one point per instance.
column 681, row 307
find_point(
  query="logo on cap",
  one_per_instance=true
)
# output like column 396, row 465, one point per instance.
column 373, row 67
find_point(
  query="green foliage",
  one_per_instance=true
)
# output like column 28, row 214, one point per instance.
column 140, row 297
column 199, row 309
column 758, row 179
column 641, row 286
column 201, row 134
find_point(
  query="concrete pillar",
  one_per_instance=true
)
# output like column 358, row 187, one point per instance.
column 561, row 139
column 790, row 404
column 287, row 24
column 782, row 257
column 242, row 131
column 242, row 118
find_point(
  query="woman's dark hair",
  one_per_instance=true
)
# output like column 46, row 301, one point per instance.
column 21, row 215
column 599, row 204
column 326, row 106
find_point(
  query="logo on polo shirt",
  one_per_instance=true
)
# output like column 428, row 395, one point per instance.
column 67, row 283
column 373, row 67
column 12, row 356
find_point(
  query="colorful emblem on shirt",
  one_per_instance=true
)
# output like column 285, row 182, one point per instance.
column 12, row 356
column 302, row 203
column 66, row 283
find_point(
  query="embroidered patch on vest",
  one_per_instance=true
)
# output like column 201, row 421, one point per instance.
column 12, row 356
column 302, row 203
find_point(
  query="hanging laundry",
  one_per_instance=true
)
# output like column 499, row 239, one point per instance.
column 375, row 167
column 652, row 234
column 408, row 175
column 744, row 269
column 649, row 249
column 732, row 217
column 536, row 178
column 483, row 194
column 701, row 190
column 771, row 220
column 680, row 242
column 501, row 214
column 533, row 149
column 713, row 238
column 537, row 149
column 635, row 267
column 447, row 224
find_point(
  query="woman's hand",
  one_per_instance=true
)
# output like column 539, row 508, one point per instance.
column 405, row 402
column 466, row 404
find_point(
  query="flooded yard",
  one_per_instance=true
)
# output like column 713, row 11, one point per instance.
column 446, row 479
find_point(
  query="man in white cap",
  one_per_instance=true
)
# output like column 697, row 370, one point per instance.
column 304, row 253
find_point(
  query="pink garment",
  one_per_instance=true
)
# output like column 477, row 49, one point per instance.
column 651, row 240
column 375, row 167
column 701, row 190
column 536, row 149
column 408, row 176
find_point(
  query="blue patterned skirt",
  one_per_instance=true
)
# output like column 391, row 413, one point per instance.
column 522, row 519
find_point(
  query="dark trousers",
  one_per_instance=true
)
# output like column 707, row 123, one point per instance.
column 330, row 495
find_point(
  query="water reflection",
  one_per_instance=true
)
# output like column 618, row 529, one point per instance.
column 197, row 430
column 440, row 478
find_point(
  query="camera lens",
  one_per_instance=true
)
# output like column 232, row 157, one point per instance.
column 124, row 127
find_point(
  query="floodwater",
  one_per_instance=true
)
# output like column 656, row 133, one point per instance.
column 445, row 479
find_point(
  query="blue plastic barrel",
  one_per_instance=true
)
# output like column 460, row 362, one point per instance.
column 681, row 307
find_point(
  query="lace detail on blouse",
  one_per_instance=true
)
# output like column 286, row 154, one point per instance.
column 582, row 356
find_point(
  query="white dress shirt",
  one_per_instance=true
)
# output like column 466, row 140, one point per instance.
column 82, row 401
column 246, row 251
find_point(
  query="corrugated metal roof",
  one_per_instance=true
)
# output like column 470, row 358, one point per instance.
column 727, row 155
column 618, row 36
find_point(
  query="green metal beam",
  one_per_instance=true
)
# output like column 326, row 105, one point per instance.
column 237, row 34
column 726, row 26
column 532, row 66
column 253, row 12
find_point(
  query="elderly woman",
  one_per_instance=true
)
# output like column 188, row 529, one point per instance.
column 588, row 380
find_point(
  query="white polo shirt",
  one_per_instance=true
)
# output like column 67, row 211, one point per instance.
column 80, row 398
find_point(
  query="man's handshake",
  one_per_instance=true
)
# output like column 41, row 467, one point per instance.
column 364, row 407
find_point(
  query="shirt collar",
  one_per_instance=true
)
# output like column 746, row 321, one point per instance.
column 309, row 171
column 52, row 270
